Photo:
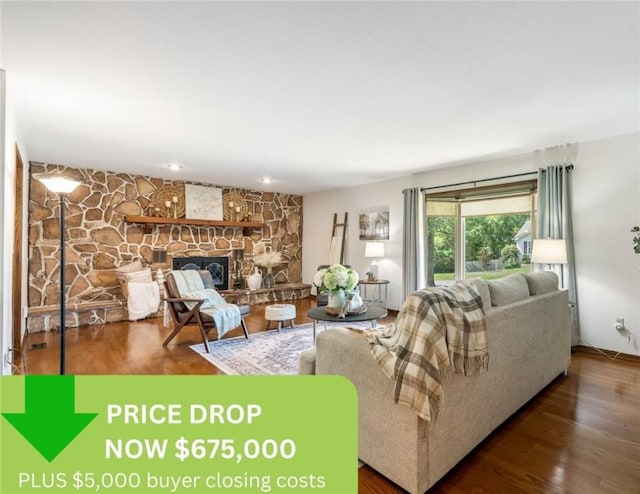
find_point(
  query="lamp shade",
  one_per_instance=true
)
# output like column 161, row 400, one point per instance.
column 549, row 251
column 59, row 184
column 374, row 249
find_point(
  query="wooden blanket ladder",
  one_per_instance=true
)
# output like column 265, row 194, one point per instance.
column 338, row 237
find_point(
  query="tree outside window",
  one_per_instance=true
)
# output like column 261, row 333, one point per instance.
column 487, row 237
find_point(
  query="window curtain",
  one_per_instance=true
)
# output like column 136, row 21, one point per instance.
column 413, row 241
column 554, row 216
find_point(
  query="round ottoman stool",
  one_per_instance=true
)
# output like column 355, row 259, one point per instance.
column 280, row 313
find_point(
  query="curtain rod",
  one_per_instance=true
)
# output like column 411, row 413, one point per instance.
column 474, row 182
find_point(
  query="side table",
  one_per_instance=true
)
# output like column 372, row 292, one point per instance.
column 380, row 291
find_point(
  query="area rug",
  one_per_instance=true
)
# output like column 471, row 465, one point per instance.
column 270, row 352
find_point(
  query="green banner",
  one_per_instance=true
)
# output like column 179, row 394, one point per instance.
column 178, row 434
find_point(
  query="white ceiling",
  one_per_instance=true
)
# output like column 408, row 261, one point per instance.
column 315, row 95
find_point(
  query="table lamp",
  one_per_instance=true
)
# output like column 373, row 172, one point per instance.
column 374, row 250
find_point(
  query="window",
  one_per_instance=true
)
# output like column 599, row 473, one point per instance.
column 484, row 232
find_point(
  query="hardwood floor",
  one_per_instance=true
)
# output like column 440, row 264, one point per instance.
column 580, row 435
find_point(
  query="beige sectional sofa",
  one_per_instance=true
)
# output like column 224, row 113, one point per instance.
column 529, row 345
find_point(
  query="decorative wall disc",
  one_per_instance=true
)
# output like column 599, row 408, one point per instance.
column 234, row 207
column 167, row 193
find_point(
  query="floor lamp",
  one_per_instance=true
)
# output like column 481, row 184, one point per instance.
column 549, row 251
column 61, row 186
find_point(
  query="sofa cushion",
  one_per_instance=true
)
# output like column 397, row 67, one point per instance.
column 509, row 289
column 132, row 272
column 542, row 282
column 142, row 276
column 482, row 288
column 129, row 268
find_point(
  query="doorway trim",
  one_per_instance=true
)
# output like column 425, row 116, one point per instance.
column 16, row 276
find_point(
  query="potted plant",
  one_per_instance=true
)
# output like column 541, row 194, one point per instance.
column 337, row 280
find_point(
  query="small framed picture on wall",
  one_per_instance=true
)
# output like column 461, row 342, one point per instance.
column 374, row 225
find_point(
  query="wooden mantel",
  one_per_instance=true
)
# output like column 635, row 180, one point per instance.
column 154, row 220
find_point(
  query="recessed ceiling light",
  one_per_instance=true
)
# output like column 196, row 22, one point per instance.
column 266, row 180
column 174, row 167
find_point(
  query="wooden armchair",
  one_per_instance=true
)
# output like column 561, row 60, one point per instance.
column 186, row 309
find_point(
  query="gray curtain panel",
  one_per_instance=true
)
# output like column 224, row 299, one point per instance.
column 555, row 221
column 413, row 243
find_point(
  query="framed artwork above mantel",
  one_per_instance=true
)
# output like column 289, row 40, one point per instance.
column 202, row 202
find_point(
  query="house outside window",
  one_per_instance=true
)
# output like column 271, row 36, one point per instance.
column 485, row 232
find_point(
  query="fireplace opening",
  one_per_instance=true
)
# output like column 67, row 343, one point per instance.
column 217, row 266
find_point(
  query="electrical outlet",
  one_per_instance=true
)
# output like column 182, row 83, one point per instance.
column 8, row 358
column 622, row 330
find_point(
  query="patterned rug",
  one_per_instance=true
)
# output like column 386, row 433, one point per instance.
column 268, row 352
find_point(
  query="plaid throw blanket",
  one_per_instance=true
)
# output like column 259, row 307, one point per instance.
column 436, row 330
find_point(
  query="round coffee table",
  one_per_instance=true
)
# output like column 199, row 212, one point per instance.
column 374, row 312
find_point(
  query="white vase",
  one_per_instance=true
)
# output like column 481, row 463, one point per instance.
column 268, row 278
column 255, row 280
column 355, row 300
column 337, row 299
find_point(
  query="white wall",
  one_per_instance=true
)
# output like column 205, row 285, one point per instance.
column 8, row 140
column 5, row 333
column 318, row 210
column 606, row 206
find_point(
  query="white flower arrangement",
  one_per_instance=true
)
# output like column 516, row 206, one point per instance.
column 336, row 277
column 268, row 259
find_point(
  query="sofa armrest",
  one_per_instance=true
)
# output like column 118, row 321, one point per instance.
column 381, row 445
column 307, row 361
column 346, row 352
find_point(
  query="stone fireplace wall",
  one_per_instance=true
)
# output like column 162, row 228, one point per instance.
column 99, row 240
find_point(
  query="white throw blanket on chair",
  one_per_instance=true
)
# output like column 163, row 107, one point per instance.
column 143, row 299
column 187, row 281
column 225, row 316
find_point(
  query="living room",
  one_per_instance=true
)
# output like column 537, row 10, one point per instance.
column 592, row 105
